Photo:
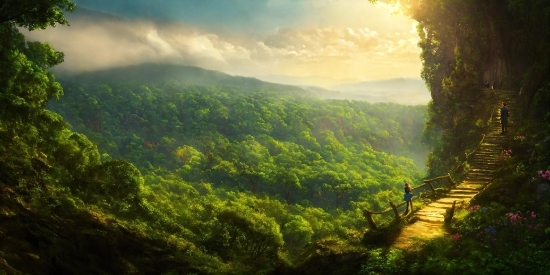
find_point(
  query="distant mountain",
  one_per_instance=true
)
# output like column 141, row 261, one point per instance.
column 406, row 91
column 187, row 75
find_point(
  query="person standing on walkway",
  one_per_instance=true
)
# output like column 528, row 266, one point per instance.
column 408, row 197
column 504, row 114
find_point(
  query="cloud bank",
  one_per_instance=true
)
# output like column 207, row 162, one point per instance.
column 337, row 52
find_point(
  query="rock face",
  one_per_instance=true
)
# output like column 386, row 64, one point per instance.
column 483, row 162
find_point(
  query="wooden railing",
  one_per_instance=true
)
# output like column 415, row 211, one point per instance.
column 393, row 207
column 468, row 154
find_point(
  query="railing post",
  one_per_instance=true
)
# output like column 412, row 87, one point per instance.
column 451, row 181
column 449, row 217
column 431, row 186
column 394, row 210
column 371, row 222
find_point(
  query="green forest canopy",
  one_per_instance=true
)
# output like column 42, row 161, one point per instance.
column 324, row 152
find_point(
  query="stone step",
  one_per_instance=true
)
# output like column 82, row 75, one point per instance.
column 463, row 191
column 488, row 164
column 479, row 177
column 485, row 158
column 483, row 162
column 477, row 162
column 433, row 219
column 485, row 155
column 480, row 170
column 487, row 145
column 459, row 196
column 442, row 205
column 491, row 153
column 484, row 177
column 431, row 216
column 467, row 183
column 493, row 160
column 483, row 181
column 473, row 187
column 483, row 150
column 485, row 172
column 451, row 200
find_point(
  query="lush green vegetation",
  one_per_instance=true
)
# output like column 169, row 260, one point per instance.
column 225, row 179
column 466, row 44
column 323, row 153
column 219, row 179
column 274, row 169
column 504, row 231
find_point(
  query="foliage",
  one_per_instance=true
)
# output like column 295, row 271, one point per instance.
column 325, row 153
column 465, row 44
column 32, row 15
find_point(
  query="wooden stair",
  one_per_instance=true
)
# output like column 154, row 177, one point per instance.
column 483, row 162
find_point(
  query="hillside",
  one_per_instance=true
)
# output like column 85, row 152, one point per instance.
column 208, row 134
column 184, row 75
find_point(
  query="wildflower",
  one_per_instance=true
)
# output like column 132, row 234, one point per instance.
column 474, row 208
column 456, row 237
column 544, row 174
column 491, row 230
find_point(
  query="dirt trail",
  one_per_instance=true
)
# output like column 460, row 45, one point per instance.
column 483, row 162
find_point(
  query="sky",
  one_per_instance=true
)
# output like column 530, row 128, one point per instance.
column 306, row 42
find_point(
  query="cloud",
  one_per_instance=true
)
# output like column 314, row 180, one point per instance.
column 97, row 41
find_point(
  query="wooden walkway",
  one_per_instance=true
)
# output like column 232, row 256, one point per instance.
column 482, row 162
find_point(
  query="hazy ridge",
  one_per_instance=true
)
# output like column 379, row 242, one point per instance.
column 406, row 91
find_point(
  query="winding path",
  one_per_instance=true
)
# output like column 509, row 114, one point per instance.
column 483, row 162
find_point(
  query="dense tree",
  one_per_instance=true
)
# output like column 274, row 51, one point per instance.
column 32, row 15
column 261, row 142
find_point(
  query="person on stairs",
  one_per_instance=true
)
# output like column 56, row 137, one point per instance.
column 504, row 114
column 408, row 197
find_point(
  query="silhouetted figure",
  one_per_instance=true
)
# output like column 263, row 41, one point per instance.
column 487, row 85
column 494, row 85
column 504, row 114
column 408, row 197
